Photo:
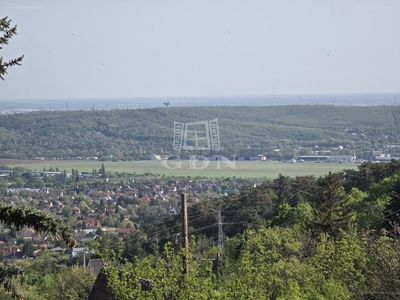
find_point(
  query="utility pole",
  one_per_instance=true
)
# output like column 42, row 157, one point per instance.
column 220, row 236
column 185, row 234
column 84, row 258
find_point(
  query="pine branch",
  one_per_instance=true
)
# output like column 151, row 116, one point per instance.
column 8, row 33
column 14, row 62
column 23, row 216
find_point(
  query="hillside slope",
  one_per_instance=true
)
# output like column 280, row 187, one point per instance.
column 135, row 134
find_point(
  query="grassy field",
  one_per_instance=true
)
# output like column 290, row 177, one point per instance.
column 244, row 169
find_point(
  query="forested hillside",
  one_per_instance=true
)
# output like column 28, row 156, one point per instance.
column 134, row 134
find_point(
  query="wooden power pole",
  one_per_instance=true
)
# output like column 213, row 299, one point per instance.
column 185, row 234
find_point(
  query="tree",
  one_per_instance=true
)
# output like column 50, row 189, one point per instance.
column 7, row 273
column 72, row 283
column 332, row 205
column 343, row 259
column 161, row 277
column 21, row 216
column 383, row 271
column 29, row 248
column 8, row 32
column 271, row 265
column 300, row 216
column 76, row 175
column 103, row 170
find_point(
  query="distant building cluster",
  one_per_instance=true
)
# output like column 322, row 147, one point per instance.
column 373, row 156
column 378, row 156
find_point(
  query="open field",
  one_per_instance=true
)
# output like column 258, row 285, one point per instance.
column 244, row 169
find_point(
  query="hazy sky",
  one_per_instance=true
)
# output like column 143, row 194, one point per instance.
column 145, row 48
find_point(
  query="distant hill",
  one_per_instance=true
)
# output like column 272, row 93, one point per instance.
column 135, row 134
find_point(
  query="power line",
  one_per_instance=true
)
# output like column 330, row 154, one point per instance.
column 140, row 240
column 154, row 234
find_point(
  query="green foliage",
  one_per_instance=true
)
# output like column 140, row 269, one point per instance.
column 21, row 216
column 383, row 269
column 7, row 274
column 164, row 276
column 343, row 259
column 332, row 205
column 72, row 283
column 281, row 259
column 47, row 263
column 273, row 263
column 301, row 216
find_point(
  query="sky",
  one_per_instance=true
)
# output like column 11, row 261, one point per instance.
column 181, row 48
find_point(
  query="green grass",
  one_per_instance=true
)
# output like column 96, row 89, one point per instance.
column 244, row 169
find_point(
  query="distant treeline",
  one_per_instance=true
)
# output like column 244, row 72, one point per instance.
column 135, row 134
